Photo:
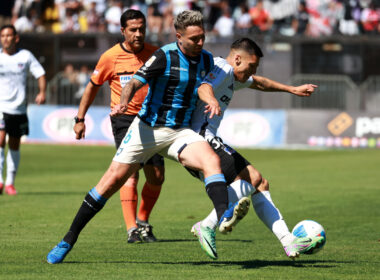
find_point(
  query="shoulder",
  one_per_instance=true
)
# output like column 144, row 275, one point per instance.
column 222, row 64
column 169, row 47
column 150, row 48
column 113, row 51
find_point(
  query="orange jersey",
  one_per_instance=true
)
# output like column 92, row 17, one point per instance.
column 117, row 66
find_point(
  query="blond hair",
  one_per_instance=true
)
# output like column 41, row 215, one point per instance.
column 188, row 18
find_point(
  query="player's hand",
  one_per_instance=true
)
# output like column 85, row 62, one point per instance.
column 118, row 110
column 213, row 108
column 80, row 130
column 40, row 98
column 304, row 90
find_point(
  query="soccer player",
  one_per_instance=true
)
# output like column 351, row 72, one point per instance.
column 14, row 66
column 228, row 75
column 117, row 66
column 173, row 72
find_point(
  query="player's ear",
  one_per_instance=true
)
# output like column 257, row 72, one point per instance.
column 179, row 36
column 237, row 59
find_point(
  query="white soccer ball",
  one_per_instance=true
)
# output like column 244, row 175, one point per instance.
column 309, row 228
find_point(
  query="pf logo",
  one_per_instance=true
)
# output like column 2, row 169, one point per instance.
column 339, row 124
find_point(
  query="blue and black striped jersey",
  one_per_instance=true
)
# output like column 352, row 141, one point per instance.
column 173, row 80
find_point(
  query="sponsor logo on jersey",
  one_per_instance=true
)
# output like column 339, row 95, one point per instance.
column 124, row 79
column 150, row 61
column 225, row 99
column 179, row 69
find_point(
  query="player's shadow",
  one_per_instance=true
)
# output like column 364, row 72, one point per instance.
column 51, row 193
column 195, row 239
column 251, row 264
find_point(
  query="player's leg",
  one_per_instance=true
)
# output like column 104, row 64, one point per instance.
column 2, row 152
column 13, row 160
column 126, row 161
column 93, row 202
column 128, row 192
column 128, row 200
column 154, row 171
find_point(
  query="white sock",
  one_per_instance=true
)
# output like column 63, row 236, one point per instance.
column 236, row 191
column 13, row 158
column 271, row 216
column 2, row 156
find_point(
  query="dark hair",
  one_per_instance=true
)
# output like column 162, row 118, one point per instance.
column 247, row 45
column 130, row 14
column 9, row 26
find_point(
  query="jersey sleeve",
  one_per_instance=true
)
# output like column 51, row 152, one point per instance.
column 216, row 76
column 103, row 70
column 246, row 84
column 35, row 67
column 153, row 67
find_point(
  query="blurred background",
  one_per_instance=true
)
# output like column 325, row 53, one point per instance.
column 334, row 44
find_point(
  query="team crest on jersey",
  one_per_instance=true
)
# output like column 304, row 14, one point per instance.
column 203, row 73
column 20, row 65
column 125, row 79
column 150, row 61
column 211, row 76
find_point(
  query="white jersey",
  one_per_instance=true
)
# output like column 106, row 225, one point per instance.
column 222, row 80
column 13, row 72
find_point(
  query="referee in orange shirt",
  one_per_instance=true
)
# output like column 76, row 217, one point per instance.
column 117, row 66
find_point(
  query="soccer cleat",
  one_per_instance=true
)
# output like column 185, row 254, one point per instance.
column 146, row 231
column 58, row 253
column 206, row 237
column 1, row 188
column 233, row 215
column 134, row 236
column 10, row 190
column 300, row 245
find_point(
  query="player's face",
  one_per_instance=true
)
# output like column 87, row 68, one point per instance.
column 245, row 66
column 191, row 40
column 8, row 39
column 134, row 34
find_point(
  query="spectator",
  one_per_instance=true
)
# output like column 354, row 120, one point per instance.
column 94, row 18
column 82, row 78
column 224, row 26
column 370, row 18
column 301, row 19
column 348, row 25
column 28, row 22
column 243, row 19
column 260, row 18
column 112, row 16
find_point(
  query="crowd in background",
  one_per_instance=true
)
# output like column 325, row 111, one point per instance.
column 223, row 18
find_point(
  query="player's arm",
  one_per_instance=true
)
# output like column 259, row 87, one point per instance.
column 41, row 96
column 87, row 98
column 153, row 68
column 265, row 84
column 206, row 94
column 127, row 94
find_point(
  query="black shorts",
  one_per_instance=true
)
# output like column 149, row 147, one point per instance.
column 14, row 125
column 232, row 163
column 120, row 126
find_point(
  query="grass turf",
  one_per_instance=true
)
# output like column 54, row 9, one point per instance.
column 338, row 188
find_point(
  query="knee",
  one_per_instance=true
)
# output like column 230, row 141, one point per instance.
column 264, row 185
column 157, row 178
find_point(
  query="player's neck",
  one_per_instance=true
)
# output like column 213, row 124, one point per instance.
column 130, row 49
column 10, row 50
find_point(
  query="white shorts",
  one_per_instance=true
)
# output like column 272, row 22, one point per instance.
column 143, row 141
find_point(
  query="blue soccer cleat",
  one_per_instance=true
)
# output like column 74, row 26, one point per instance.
column 58, row 253
column 233, row 215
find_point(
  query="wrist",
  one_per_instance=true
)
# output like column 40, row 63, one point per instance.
column 78, row 120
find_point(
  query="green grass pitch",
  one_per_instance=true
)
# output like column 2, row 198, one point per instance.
column 338, row 188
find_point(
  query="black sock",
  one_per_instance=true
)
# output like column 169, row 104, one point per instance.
column 85, row 213
column 218, row 193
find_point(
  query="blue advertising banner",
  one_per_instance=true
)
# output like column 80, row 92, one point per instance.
column 253, row 128
column 55, row 124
